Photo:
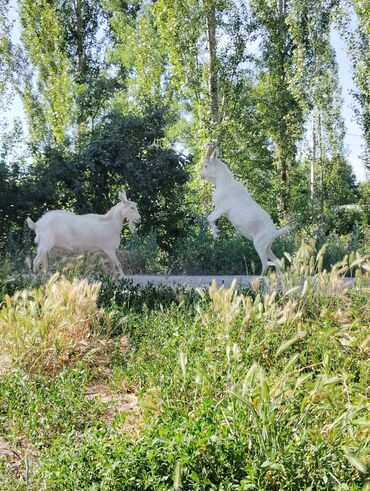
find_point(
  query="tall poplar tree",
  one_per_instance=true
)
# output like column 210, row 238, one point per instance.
column 278, row 105
column 59, row 68
column 316, row 85
column 186, row 50
column 359, row 51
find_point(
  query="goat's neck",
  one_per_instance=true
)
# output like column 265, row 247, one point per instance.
column 223, row 177
column 114, row 215
column 224, row 180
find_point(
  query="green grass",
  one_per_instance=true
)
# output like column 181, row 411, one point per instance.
column 236, row 390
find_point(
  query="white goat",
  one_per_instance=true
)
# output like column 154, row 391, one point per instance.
column 232, row 200
column 92, row 232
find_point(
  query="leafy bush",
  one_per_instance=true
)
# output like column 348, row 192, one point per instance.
column 120, row 150
column 345, row 221
column 335, row 249
column 11, row 280
column 126, row 296
column 141, row 254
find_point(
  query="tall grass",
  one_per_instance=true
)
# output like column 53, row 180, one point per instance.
column 263, row 389
column 50, row 326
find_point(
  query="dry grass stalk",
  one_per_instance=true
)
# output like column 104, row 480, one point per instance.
column 54, row 325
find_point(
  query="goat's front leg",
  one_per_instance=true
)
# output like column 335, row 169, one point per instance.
column 40, row 260
column 115, row 263
column 212, row 219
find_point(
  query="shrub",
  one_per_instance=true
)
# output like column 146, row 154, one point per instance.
column 141, row 254
column 126, row 296
column 200, row 253
column 11, row 280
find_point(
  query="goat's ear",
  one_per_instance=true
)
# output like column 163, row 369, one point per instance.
column 122, row 196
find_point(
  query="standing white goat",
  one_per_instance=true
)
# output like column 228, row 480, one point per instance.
column 92, row 232
column 232, row 200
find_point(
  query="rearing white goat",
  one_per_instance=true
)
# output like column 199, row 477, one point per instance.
column 92, row 232
column 232, row 200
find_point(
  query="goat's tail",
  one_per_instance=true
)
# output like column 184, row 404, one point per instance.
column 30, row 223
column 32, row 226
column 282, row 231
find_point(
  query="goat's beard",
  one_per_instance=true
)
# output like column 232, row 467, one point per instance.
column 131, row 226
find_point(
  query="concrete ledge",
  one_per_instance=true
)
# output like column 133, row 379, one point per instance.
column 203, row 281
column 192, row 281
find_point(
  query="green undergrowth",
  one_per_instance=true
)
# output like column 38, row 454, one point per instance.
column 262, row 389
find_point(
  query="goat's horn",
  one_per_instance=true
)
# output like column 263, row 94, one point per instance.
column 210, row 150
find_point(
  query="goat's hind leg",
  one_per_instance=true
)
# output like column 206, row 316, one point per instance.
column 262, row 252
column 271, row 257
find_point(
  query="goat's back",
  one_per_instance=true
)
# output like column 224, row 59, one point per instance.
column 68, row 217
column 65, row 229
column 50, row 216
column 245, row 214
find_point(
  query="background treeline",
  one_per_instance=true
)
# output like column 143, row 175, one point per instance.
column 129, row 93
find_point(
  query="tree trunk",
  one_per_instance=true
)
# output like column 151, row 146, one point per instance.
column 282, row 151
column 313, row 160
column 79, row 41
column 282, row 159
column 213, row 69
column 284, row 180
column 321, row 155
column 281, row 7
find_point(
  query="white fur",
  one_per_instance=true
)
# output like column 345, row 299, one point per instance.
column 92, row 232
column 232, row 200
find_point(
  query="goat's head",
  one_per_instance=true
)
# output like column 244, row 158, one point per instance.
column 210, row 164
column 129, row 211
